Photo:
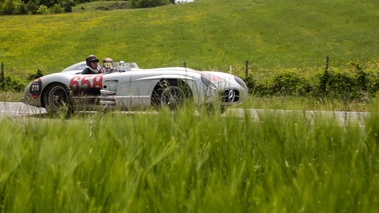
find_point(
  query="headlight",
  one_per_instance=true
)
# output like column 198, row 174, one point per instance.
column 207, row 82
column 240, row 82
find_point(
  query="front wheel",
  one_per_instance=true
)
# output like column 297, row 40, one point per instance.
column 172, row 97
column 171, row 94
column 58, row 99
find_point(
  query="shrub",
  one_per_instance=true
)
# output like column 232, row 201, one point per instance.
column 43, row 10
column 352, row 83
column 56, row 9
column 149, row 3
column 35, row 75
column 289, row 83
column 12, row 84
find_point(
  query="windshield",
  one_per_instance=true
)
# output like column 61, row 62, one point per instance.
column 77, row 66
column 119, row 66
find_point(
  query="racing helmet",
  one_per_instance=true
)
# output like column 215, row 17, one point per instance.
column 91, row 58
column 108, row 65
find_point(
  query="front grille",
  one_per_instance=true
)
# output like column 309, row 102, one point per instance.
column 230, row 95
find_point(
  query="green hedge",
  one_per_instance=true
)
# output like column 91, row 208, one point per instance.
column 353, row 82
column 350, row 83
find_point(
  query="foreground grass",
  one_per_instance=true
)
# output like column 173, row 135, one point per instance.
column 184, row 163
column 309, row 103
column 283, row 102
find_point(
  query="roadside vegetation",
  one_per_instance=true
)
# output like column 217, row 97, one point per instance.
column 184, row 163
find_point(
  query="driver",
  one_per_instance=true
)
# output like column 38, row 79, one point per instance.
column 108, row 66
column 92, row 65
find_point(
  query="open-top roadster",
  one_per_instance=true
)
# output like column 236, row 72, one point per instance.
column 130, row 87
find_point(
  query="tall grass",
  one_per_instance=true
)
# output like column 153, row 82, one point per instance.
column 207, row 34
column 183, row 163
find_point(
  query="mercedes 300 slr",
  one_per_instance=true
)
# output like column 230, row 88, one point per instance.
column 129, row 87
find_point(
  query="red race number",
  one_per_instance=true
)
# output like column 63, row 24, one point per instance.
column 86, row 81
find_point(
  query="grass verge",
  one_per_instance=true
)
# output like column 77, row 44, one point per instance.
column 178, row 162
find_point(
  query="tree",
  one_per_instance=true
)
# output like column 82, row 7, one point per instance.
column 32, row 7
column 21, row 8
column 8, row 7
column 67, row 6
column 48, row 3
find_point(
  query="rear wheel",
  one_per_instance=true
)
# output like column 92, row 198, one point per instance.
column 58, row 99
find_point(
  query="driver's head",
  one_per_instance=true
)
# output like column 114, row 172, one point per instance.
column 92, row 61
column 108, row 65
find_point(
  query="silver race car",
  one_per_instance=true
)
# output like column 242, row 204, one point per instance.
column 127, row 87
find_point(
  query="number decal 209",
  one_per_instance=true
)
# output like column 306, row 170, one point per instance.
column 86, row 81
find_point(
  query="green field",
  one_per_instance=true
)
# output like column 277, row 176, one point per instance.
column 207, row 34
column 164, row 162
column 184, row 163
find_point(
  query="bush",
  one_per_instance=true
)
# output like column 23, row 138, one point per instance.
column 289, row 84
column 35, row 75
column 12, row 84
column 349, row 84
column 43, row 10
column 148, row 3
column 56, row 9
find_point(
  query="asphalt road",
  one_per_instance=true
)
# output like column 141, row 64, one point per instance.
column 344, row 118
column 16, row 109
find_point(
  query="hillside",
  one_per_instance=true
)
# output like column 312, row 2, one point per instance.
column 207, row 34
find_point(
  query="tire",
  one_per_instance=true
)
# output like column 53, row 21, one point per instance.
column 172, row 97
column 57, row 99
column 170, row 94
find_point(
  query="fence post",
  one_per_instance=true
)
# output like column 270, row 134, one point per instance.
column 2, row 72
column 325, row 77
column 246, row 68
column 326, row 64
